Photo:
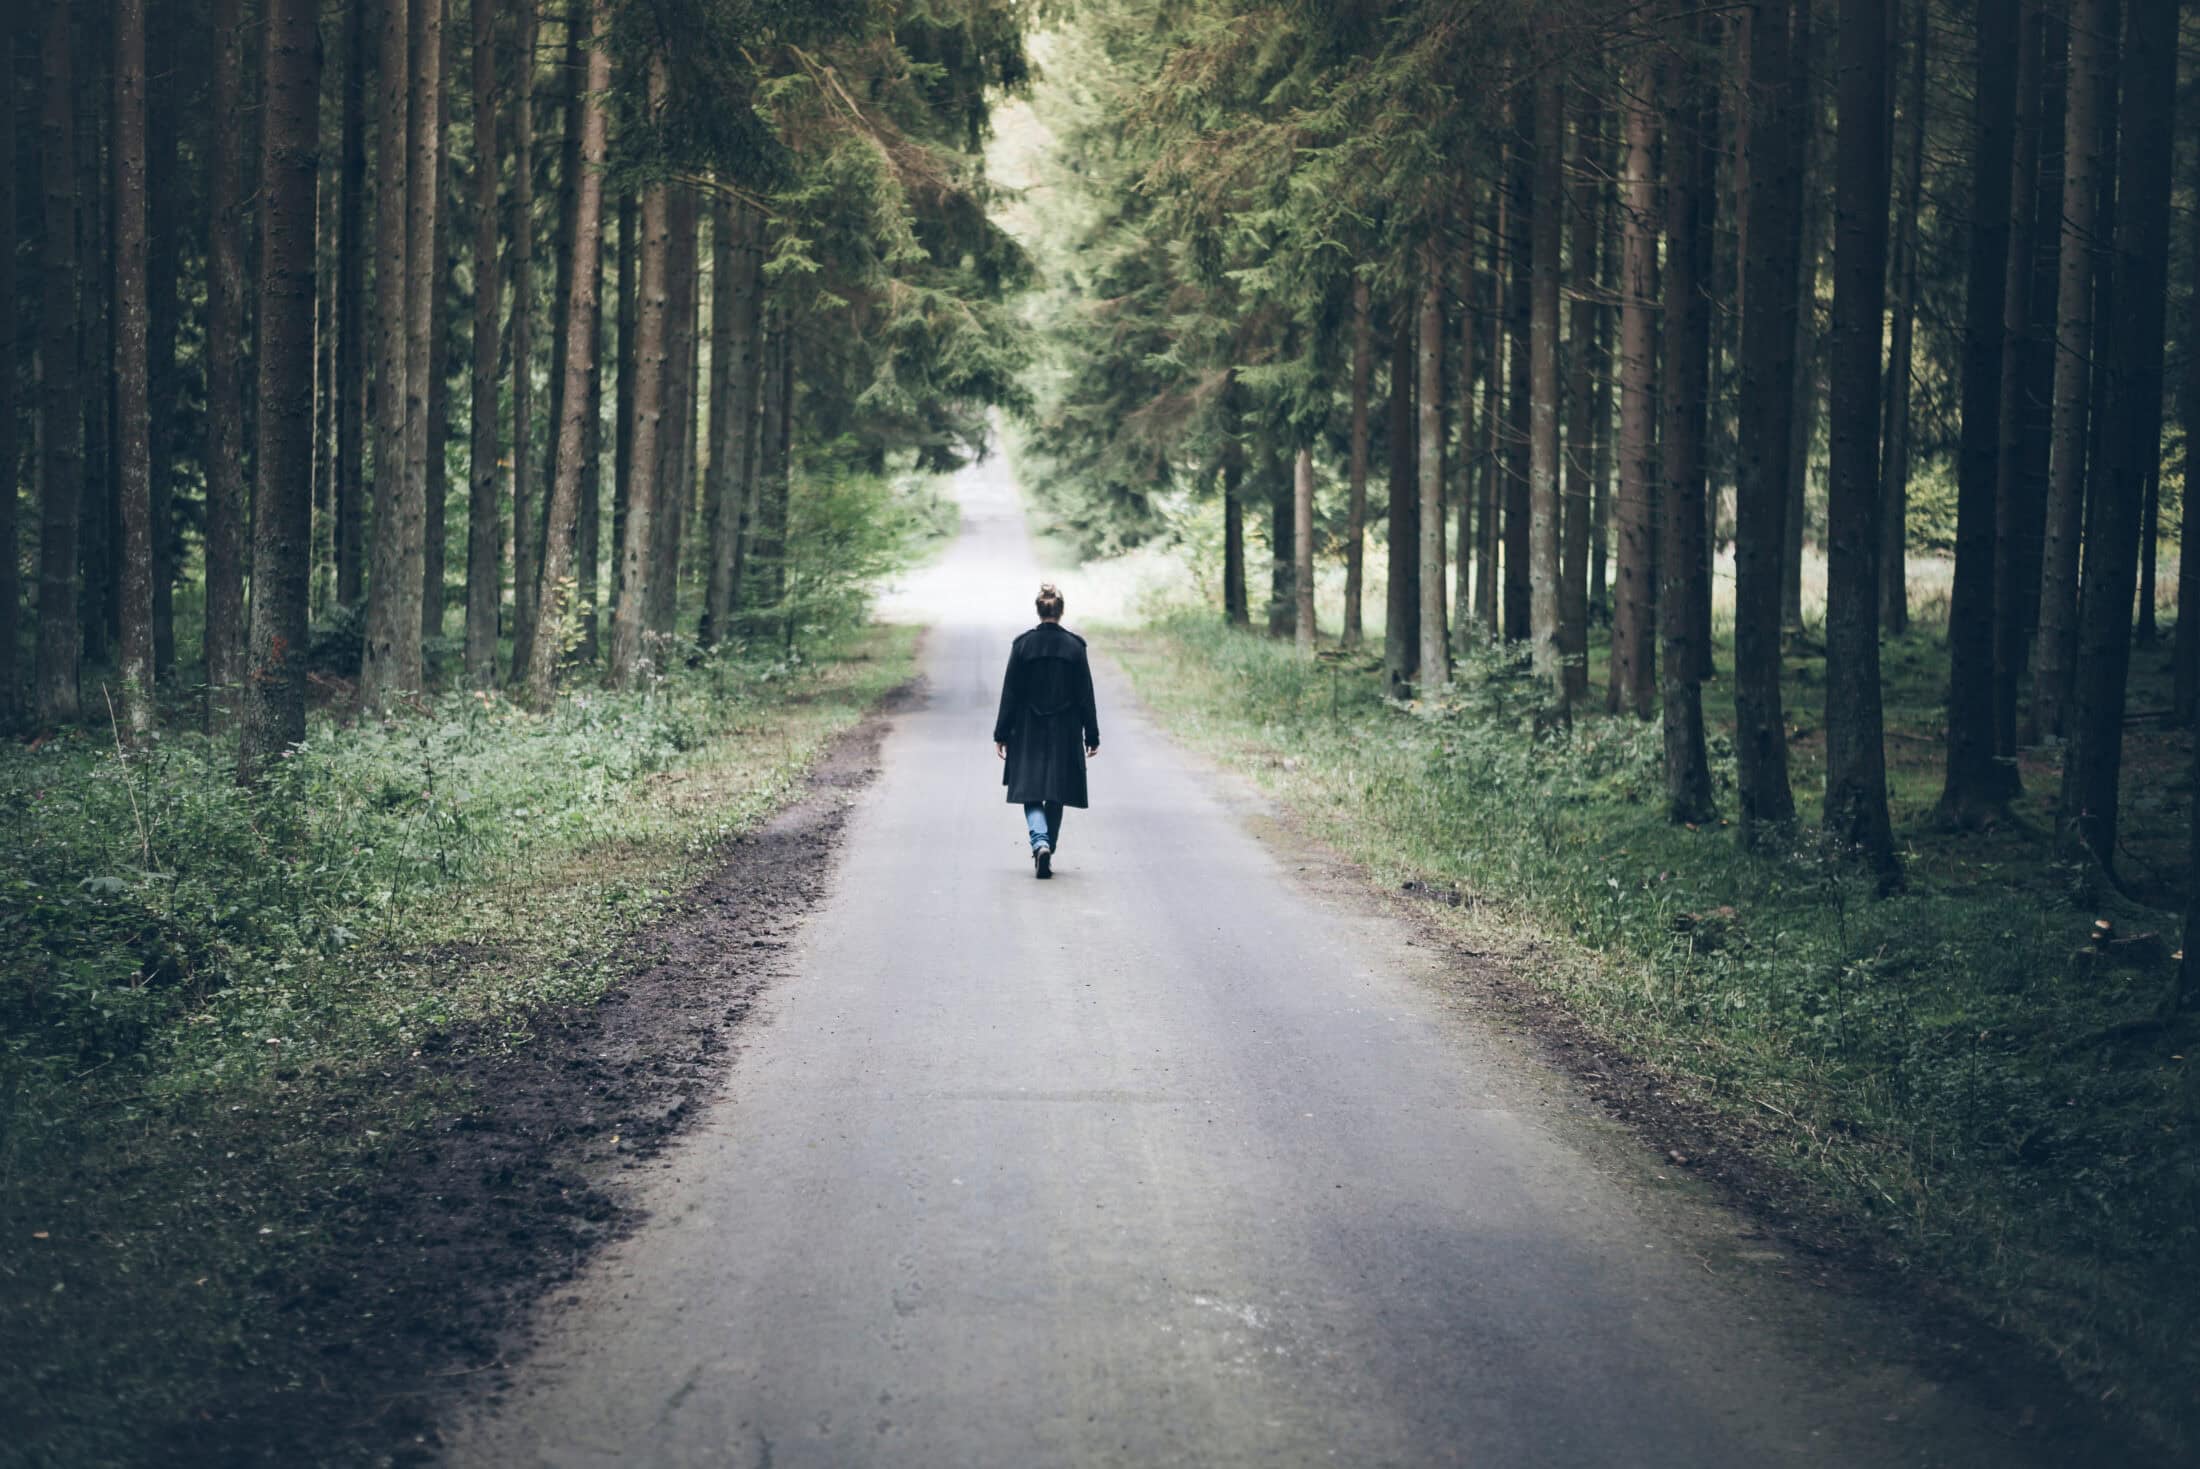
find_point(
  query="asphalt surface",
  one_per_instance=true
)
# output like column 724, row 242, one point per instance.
column 1187, row 1156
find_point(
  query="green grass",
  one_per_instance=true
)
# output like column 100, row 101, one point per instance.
column 1918, row 1068
column 211, row 1002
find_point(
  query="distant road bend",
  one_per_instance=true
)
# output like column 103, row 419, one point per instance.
column 1186, row 1157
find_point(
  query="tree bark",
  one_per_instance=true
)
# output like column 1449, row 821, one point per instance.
column 423, row 353
column 435, row 431
column 737, row 302
column 133, row 394
column 675, row 497
column 2185, row 697
column 1634, row 607
column 98, row 518
column 628, row 653
column 1600, row 408
column 622, row 408
column 273, row 705
column 61, row 427
column 1767, row 402
column 555, row 593
column 351, row 334
column 1464, row 462
column 2087, row 164
column 1578, row 500
column 11, row 355
column 2019, row 499
column 1856, row 764
column 1435, row 644
column 1803, row 417
column 1493, row 417
column 484, row 528
column 391, row 665
column 1282, row 552
column 1236, row 611
column 1690, row 204
column 1894, row 571
column 1302, row 548
column 526, row 515
column 1520, row 259
column 165, row 248
column 1974, row 793
column 2092, row 761
column 1355, row 540
column 1547, row 651
column 226, row 488
column 1402, row 602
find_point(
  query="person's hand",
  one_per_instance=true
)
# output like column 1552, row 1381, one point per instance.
column 1092, row 752
column 1000, row 749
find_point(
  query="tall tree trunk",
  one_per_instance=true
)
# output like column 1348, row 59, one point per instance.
column 1690, row 203
column 1975, row 790
column 1302, row 548
column 2185, row 698
column 424, row 274
column 1493, row 418
column 622, row 409
column 737, row 301
column 2087, row 164
column 165, row 247
column 628, row 653
column 2019, row 500
column 133, row 394
column 676, row 434
column 1402, row 601
column 526, row 515
column 1236, row 611
column 1809, row 232
column 435, row 431
column 484, row 528
column 98, row 605
column 1355, row 539
column 1768, row 401
column 1600, row 408
column 1435, row 643
column 391, row 665
column 61, row 428
column 1282, row 551
column 226, row 489
column 588, row 536
column 1546, row 650
column 11, row 354
column 1894, row 570
column 273, row 700
column 1634, row 607
column 569, row 74
column 1463, row 466
column 351, row 335
column 775, row 460
column 2092, row 761
column 553, row 596
column 1856, row 763
column 1520, row 260
column 1578, row 501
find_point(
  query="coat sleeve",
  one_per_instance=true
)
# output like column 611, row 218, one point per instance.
column 1091, row 710
column 1004, row 722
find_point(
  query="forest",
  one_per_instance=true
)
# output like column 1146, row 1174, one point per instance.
column 1709, row 482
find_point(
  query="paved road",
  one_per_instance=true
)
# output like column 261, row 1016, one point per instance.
column 1186, row 1157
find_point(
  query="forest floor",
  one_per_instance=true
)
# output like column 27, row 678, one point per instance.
column 298, row 1208
column 1950, row 1089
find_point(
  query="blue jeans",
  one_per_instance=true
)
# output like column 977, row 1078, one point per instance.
column 1045, row 823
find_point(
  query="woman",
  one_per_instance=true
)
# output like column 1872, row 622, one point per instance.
column 1047, row 728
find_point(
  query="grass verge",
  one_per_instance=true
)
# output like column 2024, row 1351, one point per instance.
column 214, row 1004
column 1940, row 1075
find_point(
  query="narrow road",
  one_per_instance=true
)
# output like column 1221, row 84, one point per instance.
column 1186, row 1157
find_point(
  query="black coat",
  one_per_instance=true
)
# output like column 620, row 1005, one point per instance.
column 1047, row 718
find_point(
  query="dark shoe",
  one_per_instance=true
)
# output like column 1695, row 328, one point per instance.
column 1042, row 860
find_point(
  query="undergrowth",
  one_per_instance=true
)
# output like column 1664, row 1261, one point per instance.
column 212, row 1002
column 1941, row 1071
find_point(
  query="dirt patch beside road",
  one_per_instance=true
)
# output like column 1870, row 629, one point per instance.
column 515, row 1178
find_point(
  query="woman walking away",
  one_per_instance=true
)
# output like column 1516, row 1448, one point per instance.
column 1047, row 728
